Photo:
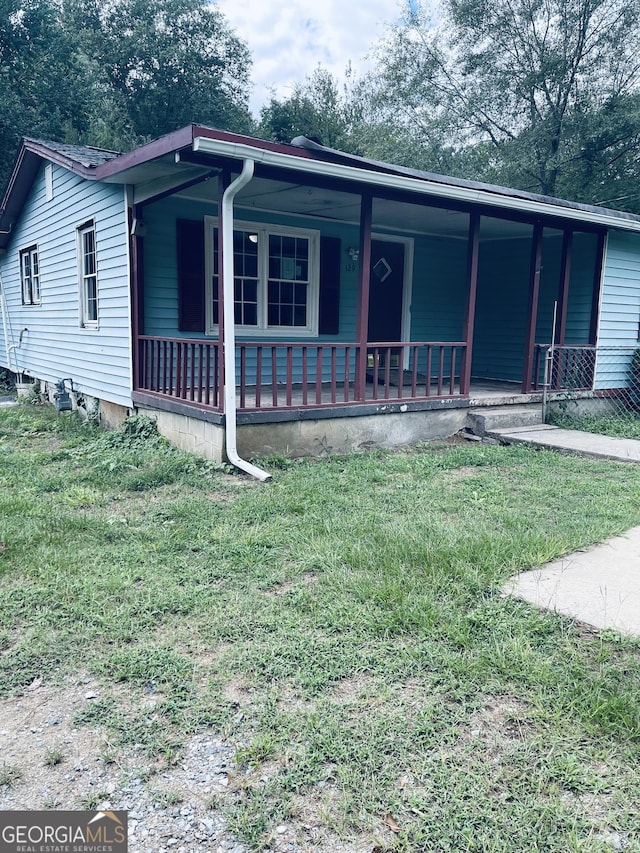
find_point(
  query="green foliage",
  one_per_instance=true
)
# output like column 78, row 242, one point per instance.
column 542, row 96
column 625, row 425
column 9, row 775
column 7, row 382
column 45, row 91
column 316, row 109
column 343, row 627
column 116, row 74
column 53, row 757
column 166, row 63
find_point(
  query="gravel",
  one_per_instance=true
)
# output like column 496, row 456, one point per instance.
column 169, row 809
column 51, row 763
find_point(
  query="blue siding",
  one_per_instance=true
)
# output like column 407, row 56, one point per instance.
column 161, row 294
column 439, row 282
column 98, row 360
column 501, row 309
column 619, row 308
column 503, row 300
column 438, row 292
column 440, row 289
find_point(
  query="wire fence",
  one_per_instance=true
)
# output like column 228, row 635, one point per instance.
column 587, row 381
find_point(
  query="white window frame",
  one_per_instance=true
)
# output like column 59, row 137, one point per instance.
column 30, row 284
column 84, row 278
column 263, row 230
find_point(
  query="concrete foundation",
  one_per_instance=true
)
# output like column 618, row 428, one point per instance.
column 347, row 434
column 587, row 406
column 189, row 433
column 112, row 415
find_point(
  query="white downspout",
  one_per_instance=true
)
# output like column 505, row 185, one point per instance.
column 229, row 324
column 5, row 324
column 8, row 334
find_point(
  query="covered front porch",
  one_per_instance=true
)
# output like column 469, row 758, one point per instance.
column 333, row 286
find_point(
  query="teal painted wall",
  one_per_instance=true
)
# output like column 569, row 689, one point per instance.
column 439, row 266
column 501, row 309
column 161, row 294
column 503, row 300
column 439, row 276
column 439, row 289
column 98, row 360
column 619, row 309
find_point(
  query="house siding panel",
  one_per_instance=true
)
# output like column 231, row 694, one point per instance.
column 503, row 273
column 160, row 260
column 620, row 310
column 98, row 361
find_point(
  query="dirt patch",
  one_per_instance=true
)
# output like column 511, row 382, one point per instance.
column 502, row 718
column 306, row 580
column 352, row 690
column 57, row 764
column 238, row 693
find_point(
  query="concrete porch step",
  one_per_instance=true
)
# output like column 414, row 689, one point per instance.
column 488, row 418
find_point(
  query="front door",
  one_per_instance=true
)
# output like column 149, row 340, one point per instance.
column 386, row 288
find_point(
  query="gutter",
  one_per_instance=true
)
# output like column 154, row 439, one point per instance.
column 230, row 408
column 426, row 187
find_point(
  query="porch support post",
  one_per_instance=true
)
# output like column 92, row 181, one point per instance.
column 534, row 290
column 473, row 251
column 224, row 179
column 137, row 292
column 362, row 328
column 597, row 283
column 563, row 293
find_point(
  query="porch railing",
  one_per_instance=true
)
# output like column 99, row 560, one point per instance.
column 565, row 368
column 281, row 375
column 184, row 369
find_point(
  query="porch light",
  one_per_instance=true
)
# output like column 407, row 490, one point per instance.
column 353, row 253
column 253, row 238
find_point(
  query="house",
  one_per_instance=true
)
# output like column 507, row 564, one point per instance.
column 351, row 302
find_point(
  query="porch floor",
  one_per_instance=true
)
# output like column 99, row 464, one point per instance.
column 482, row 393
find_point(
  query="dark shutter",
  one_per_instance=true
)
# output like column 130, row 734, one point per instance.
column 329, row 307
column 190, row 236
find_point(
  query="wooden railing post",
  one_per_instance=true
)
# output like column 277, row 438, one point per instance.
column 362, row 329
column 534, row 290
column 473, row 253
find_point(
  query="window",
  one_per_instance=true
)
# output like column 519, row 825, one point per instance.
column 276, row 278
column 88, row 279
column 30, row 276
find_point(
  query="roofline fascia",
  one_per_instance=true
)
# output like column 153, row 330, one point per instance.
column 241, row 151
column 168, row 144
column 12, row 179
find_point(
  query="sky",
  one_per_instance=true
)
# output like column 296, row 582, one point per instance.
column 288, row 39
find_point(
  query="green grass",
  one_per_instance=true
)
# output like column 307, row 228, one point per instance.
column 342, row 626
column 622, row 425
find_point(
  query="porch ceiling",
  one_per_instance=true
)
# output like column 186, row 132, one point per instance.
column 267, row 195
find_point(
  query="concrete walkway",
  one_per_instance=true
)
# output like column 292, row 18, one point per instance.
column 600, row 586
column 571, row 441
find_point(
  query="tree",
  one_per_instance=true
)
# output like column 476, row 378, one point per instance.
column 44, row 92
column 161, row 64
column 538, row 87
column 116, row 73
column 316, row 108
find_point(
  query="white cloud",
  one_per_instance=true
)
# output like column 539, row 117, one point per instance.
column 288, row 39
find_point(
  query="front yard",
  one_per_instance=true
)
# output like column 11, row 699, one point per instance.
column 341, row 629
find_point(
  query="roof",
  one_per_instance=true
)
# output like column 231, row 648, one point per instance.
column 302, row 155
column 84, row 155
